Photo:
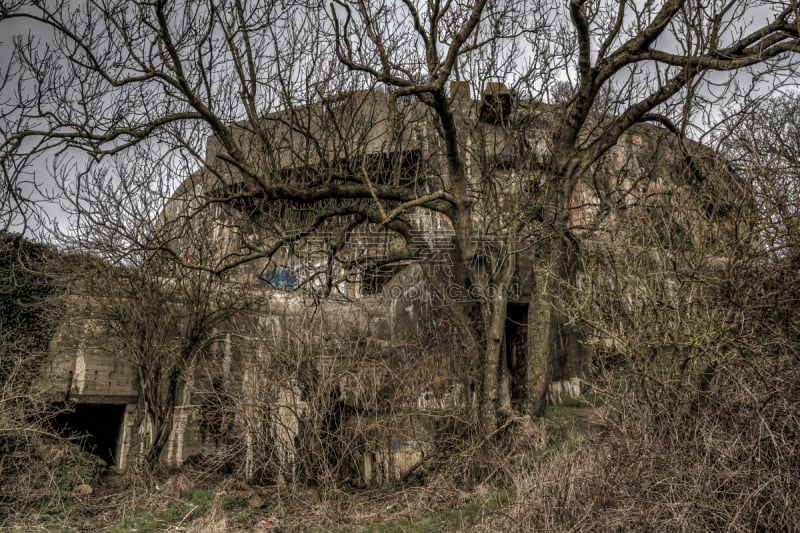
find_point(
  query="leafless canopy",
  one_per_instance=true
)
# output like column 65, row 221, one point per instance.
column 120, row 97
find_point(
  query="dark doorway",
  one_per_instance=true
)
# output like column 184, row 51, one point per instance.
column 95, row 426
column 516, row 331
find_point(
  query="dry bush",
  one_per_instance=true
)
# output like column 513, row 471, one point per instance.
column 695, row 329
column 284, row 412
column 696, row 360
column 38, row 475
column 732, row 464
column 38, row 470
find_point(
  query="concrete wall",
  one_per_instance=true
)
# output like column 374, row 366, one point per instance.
column 84, row 366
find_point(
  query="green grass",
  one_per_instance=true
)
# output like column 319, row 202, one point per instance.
column 245, row 517
column 194, row 503
column 562, row 414
column 564, row 432
column 202, row 498
column 445, row 520
column 140, row 521
column 591, row 399
column 176, row 512
column 231, row 502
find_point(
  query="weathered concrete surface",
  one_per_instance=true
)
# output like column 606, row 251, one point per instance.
column 84, row 364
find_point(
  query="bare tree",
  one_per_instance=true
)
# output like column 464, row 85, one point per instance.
column 110, row 78
column 164, row 328
column 694, row 318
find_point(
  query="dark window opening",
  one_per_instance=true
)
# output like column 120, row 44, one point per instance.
column 496, row 104
column 399, row 168
column 374, row 279
column 96, row 427
column 238, row 196
column 516, row 332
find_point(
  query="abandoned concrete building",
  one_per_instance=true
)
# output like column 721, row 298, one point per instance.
column 332, row 302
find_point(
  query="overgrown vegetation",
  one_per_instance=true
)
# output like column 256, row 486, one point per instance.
column 634, row 166
column 38, row 470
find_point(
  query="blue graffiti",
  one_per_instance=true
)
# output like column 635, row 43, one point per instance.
column 281, row 279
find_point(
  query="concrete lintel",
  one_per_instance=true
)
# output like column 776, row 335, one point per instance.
column 103, row 398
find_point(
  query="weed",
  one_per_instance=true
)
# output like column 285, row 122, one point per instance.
column 563, row 433
column 447, row 519
column 202, row 498
column 140, row 521
column 176, row 512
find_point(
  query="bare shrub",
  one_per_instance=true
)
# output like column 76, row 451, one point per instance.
column 284, row 399
column 38, row 469
column 730, row 465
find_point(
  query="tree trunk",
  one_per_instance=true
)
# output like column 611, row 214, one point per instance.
column 162, row 427
column 163, row 421
column 557, row 262
column 494, row 309
column 540, row 347
column 495, row 330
